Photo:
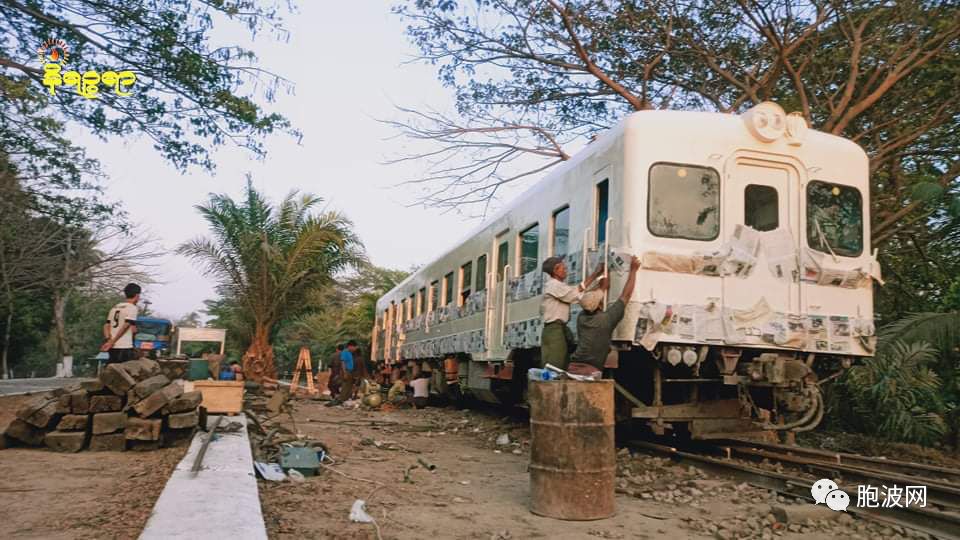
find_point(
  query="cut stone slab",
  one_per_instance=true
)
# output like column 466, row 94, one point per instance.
column 108, row 422
column 116, row 379
column 74, row 422
column 105, row 403
column 141, row 369
column 183, row 420
column 27, row 409
column 157, row 400
column 139, row 429
column 57, row 392
column 66, row 441
column 80, row 402
column 93, row 386
column 110, row 442
column 801, row 513
column 187, row 402
column 63, row 404
column 146, row 387
column 25, row 433
column 43, row 417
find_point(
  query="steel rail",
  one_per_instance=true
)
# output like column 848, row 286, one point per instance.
column 940, row 524
column 942, row 495
column 942, row 475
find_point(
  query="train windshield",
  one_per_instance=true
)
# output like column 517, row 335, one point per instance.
column 684, row 202
column 834, row 219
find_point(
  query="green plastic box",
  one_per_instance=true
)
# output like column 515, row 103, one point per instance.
column 199, row 370
column 304, row 460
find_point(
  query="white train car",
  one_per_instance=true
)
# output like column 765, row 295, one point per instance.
column 756, row 277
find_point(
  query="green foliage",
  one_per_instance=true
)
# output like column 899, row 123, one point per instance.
column 268, row 259
column 343, row 311
column 897, row 396
column 189, row 94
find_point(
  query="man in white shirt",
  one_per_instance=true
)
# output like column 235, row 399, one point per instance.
column 556, row 340
column 121, row 325
column 421, row 389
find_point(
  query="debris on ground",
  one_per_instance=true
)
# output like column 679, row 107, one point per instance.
column 131, row 406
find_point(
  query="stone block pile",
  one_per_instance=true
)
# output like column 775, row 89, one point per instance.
column 132, row 405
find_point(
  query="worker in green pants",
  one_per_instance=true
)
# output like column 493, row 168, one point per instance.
column 556, row 341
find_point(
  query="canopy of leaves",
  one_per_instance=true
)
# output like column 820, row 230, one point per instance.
column 190, row 94
column 267, row 259
column 532, row 75
column 344, row 310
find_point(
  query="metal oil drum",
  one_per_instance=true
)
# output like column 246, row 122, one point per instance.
column 573, row 463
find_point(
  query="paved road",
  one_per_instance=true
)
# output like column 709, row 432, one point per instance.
column 11, row 387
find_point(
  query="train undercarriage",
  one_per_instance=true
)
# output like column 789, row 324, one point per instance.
column 700, row 392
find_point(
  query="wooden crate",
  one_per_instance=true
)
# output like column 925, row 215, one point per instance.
column 221, row 396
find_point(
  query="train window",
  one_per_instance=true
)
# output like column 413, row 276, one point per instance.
column 448, row 289
column 529, row 248
column 434, row 295
column 466, row 275
column 561, row 231
column 684, row 202
column 482, row 273
column 834, row 218
column 411, row 305
column 761, row 209
column 423, row 301
column 503, row 254
column 603, row 192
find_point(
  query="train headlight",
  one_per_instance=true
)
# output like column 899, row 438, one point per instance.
column 689, row 357
column 674, row 356
column 766, row 121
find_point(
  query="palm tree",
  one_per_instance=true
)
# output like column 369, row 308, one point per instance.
column 268, row 258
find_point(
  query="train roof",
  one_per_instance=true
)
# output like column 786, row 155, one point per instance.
column 635, row 120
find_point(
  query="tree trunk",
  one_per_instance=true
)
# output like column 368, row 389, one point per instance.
column 60, row 298
column 6, row 341
column 258, row 361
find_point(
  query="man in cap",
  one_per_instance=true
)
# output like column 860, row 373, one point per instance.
column 595, row 327
column 556, row 341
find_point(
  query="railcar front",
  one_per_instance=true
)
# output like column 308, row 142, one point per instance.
column 756, row 280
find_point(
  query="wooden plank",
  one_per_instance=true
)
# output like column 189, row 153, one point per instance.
column 221, row 396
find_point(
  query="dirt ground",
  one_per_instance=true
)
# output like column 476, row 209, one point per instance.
column 50, row 495
column 480, row 490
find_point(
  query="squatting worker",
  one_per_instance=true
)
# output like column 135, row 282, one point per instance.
column 595, row 327
column 421, row 389
column 556, row 340
column 121, row 325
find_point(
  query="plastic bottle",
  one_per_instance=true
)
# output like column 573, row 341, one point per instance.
column 537, row 374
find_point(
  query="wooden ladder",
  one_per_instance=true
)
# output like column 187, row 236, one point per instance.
column 303, row 364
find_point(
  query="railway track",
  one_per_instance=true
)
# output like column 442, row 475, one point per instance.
column 736, row 459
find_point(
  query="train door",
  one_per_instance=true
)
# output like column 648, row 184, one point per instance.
column 497, row 305
column 764, row 196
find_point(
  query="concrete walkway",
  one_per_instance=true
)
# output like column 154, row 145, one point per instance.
column 15, row 387
column 221, row 501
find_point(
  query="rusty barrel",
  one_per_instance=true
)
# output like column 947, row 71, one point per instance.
column 573, row 463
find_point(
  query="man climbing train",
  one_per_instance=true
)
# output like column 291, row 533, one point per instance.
column 556, row 341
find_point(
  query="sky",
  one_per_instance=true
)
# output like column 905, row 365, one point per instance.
column 349, row 62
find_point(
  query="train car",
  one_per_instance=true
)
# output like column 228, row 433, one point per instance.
column 756, row 283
